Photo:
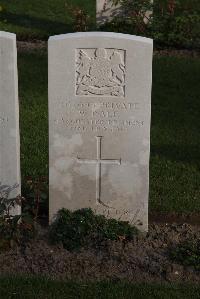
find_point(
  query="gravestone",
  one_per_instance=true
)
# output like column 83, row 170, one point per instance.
column 99, row 122
column 106, row 11
column 9, row 118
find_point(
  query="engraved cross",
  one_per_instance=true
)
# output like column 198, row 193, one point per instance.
column 98, row 161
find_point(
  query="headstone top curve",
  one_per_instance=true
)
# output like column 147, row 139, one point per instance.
column 101, row 34
column 8, row 35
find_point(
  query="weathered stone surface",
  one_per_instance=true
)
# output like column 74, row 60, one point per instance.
column 99, row 121
column 9, row 115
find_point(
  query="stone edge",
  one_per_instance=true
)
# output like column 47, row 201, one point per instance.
column 12, row 36
column 102, row 34
column 8, row 35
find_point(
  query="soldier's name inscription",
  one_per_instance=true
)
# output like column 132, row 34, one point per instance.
column 99, row 116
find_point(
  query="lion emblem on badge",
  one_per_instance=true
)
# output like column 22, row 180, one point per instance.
column 100, row 72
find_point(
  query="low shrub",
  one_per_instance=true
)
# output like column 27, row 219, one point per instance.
column 187, row 254
column 172, row 22
column 14, row 229
column 80, row 19
column 72, row 229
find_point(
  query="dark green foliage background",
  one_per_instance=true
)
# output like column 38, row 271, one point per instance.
column 38, row 19
column 177, row 26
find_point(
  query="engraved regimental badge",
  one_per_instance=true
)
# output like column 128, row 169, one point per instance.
column 100, row 72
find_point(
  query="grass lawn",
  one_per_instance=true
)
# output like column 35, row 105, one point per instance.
column 175, row 134
column 41, row 18
column 40, row 288
column 33, row 90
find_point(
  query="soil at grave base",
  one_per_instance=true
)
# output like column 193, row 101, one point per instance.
column 173, row 217
column 177, row 52
column 143, row 259
column 26, row 46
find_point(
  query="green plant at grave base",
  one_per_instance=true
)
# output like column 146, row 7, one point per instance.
column 13, row 228
column 71, row 229
column 187, row 254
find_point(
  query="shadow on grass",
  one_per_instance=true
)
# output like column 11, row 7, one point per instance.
column 180, row 153
column 33, row 23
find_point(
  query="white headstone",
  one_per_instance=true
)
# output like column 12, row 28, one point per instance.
column 99, row 122
column 9, row 115
column 106, row 11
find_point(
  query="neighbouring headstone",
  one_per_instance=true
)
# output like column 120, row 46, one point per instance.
column 106, row 11
column 9, row 118
column 99, row 122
